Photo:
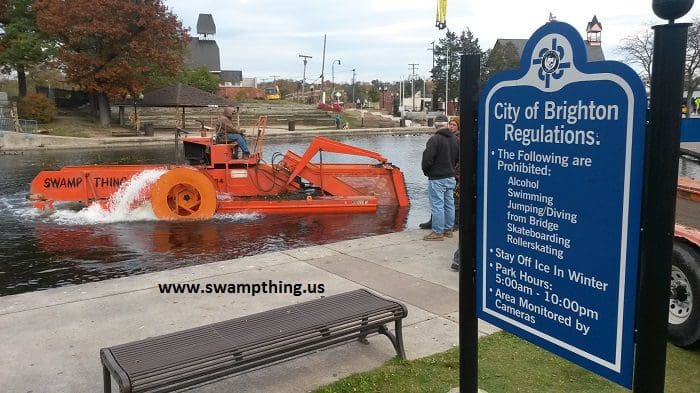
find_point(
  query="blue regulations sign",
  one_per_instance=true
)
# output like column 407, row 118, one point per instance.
column 560, row 162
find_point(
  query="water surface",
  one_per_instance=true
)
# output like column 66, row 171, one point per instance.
column 71, row 247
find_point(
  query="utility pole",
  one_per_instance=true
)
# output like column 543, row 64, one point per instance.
column 274, row 78
column 413, row 78
column 303, row 79
column 353, row 85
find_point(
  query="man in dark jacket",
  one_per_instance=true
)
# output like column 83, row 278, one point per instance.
column 438, row 164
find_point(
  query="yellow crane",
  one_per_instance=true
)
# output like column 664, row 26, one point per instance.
column 440, row 21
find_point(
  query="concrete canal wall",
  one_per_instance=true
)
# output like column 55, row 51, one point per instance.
column 14, row 141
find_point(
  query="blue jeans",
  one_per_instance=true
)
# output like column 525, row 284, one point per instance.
column 442, row 203
column 240, row 139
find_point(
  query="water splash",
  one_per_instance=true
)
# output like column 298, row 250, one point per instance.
column 15, row 205
column 129, row 203
column 134, row 193
column 243, row 217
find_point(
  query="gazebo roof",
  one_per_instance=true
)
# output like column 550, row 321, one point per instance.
column 180, row 95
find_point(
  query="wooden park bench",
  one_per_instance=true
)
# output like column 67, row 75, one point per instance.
column 203, row 354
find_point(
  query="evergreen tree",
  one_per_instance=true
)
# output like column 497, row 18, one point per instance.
column 445, row 73
column 502, row 57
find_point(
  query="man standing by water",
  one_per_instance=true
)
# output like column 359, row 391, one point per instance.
column 453, row 125
column 438, row 164
column 227, row 131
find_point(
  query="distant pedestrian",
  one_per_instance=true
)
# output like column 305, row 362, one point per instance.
column 697, row 105
column 337, row 121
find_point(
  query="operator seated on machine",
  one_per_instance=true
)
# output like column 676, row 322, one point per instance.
column 227, row 132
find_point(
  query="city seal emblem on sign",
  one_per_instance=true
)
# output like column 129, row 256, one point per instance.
column 550, row 62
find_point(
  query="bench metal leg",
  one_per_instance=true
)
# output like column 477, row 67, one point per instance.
column 106, row 379
column 397, row 340
column 363, row 332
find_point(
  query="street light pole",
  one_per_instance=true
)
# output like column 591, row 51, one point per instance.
column 303, row 79
column 413, row 78
column 333, row 78
column 447, row 77
column 423, row 100
column 432, row 50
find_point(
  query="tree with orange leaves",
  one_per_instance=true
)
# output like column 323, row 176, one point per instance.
column 112, row 47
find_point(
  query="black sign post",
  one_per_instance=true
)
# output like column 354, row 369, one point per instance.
column 661, row 180
column 468, row 323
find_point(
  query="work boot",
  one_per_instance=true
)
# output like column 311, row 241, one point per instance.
column 447, row 233
column 432, row 236
column 246, row 156
column 426, row 225
column 455, row 266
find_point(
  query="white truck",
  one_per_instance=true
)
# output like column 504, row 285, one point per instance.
column 684, row 302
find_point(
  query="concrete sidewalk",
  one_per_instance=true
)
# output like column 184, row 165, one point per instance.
column 51, row 339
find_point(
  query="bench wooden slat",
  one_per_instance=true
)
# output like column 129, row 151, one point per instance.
column 199, row 354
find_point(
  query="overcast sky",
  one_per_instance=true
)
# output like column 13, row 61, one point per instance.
column 380, row 38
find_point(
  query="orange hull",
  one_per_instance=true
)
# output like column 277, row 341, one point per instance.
column 216, row 182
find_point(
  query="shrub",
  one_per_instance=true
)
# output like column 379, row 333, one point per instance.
column 35, row 106
column 337, row 108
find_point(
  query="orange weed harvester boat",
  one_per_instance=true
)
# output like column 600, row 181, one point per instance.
column 215, row 181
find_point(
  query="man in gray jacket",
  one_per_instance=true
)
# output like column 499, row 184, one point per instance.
column 439, row 159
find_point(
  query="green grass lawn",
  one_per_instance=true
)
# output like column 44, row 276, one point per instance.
column 77, row 124
column 508, row 364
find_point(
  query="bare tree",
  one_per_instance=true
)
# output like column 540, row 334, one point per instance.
column 638, row 50
column 692, row 63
